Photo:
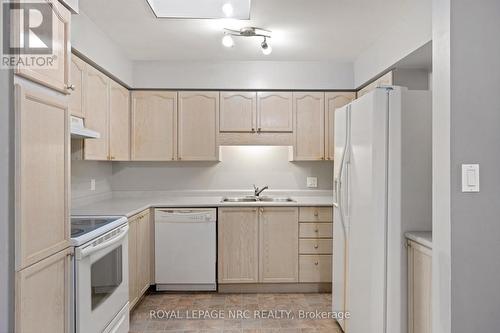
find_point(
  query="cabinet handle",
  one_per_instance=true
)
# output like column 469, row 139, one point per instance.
column 259, row 129
column 316, row 263
column 70, row 87
column 316, row 230
column 112, row 157
column 322, row 158
column 315, row 246
column 328, row 158
column 316, row 213
column 253, row 130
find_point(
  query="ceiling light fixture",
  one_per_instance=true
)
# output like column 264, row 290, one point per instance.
column 228, row 9
column 227, row 40
column 266, row 48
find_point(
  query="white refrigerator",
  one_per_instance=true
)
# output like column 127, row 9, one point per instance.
column 382, row 188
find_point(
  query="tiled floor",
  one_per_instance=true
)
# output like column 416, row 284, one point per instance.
column 232, row 313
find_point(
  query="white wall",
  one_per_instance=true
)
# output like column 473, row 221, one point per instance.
column 408, row 33
column 240, row 167
column 92, row 42
column 81, row 174
column 6, row 194
column 243, row 75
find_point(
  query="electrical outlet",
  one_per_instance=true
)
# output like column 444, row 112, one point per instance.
column 92, row 184
column 312, row 182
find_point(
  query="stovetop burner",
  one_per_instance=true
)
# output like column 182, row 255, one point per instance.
column 82, row 225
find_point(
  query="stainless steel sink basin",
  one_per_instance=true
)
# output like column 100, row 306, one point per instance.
column 257, row 199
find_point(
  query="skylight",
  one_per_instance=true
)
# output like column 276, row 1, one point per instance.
column 201, row 9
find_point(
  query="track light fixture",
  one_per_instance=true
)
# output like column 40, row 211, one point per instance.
column 228, row 41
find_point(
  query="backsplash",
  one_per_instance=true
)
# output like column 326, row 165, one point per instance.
column 239, row 168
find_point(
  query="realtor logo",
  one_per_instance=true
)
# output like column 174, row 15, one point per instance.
column 28, row 34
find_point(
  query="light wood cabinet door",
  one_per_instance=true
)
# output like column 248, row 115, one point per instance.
column 274, row 112
column 42, row 179
column 119, row 122
column 76, row 99
column 419, row 288
column 154, row 126
column 333, row 101
column 238, row 245
column 97, row 114
column 57, row 76
column 143, row 253
column 309, row 128
column 133, row 283
column 278, row 244
column 198, row 126
column 238, row 111
column 42, row 295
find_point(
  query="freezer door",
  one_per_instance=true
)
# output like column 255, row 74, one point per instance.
column 339, row 230
column 366, row 208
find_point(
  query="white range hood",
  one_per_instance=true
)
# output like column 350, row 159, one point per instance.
column 79, row 131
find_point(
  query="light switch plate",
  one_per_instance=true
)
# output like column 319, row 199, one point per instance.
column 312, row 182
column 470, row 177
column 92, row 184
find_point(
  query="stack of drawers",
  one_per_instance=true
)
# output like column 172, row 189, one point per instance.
column 315, row 244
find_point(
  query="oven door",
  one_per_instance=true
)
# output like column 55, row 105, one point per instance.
column 101, row 281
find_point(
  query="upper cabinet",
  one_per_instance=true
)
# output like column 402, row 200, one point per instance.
column 57, row 76
column 154, row 126
column 96, row 114
column 198, row 120
column 274, row 112
column 308, row 130
column 238, row 111
column 333, row 101
column 384, row 80
column 119, row 122
column 76, row 99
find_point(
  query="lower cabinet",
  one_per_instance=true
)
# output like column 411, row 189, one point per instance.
column 139, row 256
column 278, row 244
column 258, row 245
column 43, row 294
column 419, row 288
column 238, row 242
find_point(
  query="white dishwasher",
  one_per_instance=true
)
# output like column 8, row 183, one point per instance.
column 185, row 249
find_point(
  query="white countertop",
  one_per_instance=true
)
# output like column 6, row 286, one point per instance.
column 129, row 204
column 422, row 237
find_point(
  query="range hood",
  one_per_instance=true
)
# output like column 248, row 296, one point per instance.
column 78, row 130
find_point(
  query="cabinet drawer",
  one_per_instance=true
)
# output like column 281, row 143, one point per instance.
column 315, row 230
column 315, row 246
column 315, row 268
column 315, row 214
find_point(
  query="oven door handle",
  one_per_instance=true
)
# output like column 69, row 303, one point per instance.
column 93, row 249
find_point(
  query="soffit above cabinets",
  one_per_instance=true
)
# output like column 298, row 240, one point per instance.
column 200, row 9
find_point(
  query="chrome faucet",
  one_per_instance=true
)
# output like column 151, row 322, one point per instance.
column 258, row 191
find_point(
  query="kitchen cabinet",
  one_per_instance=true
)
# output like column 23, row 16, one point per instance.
column 309, row 128
column 154, row 126
column 76, row 98
column 333, row 101
column 419, row 288
column 42, row 171
column 278, row 244
column 139, row 236
column 198, row 126
column 43, row 294
column 119, row 122
column 238, row 111
column 274, row 112
column 57, row 76
column 238, row 245
column 315, row 244
column 96, row 114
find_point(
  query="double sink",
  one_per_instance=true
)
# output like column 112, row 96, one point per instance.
column 251, row 198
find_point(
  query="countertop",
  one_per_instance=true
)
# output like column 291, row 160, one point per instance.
column 421, row 237
column 132, row 203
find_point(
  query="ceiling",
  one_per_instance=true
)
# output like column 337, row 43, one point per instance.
column 303, row 30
